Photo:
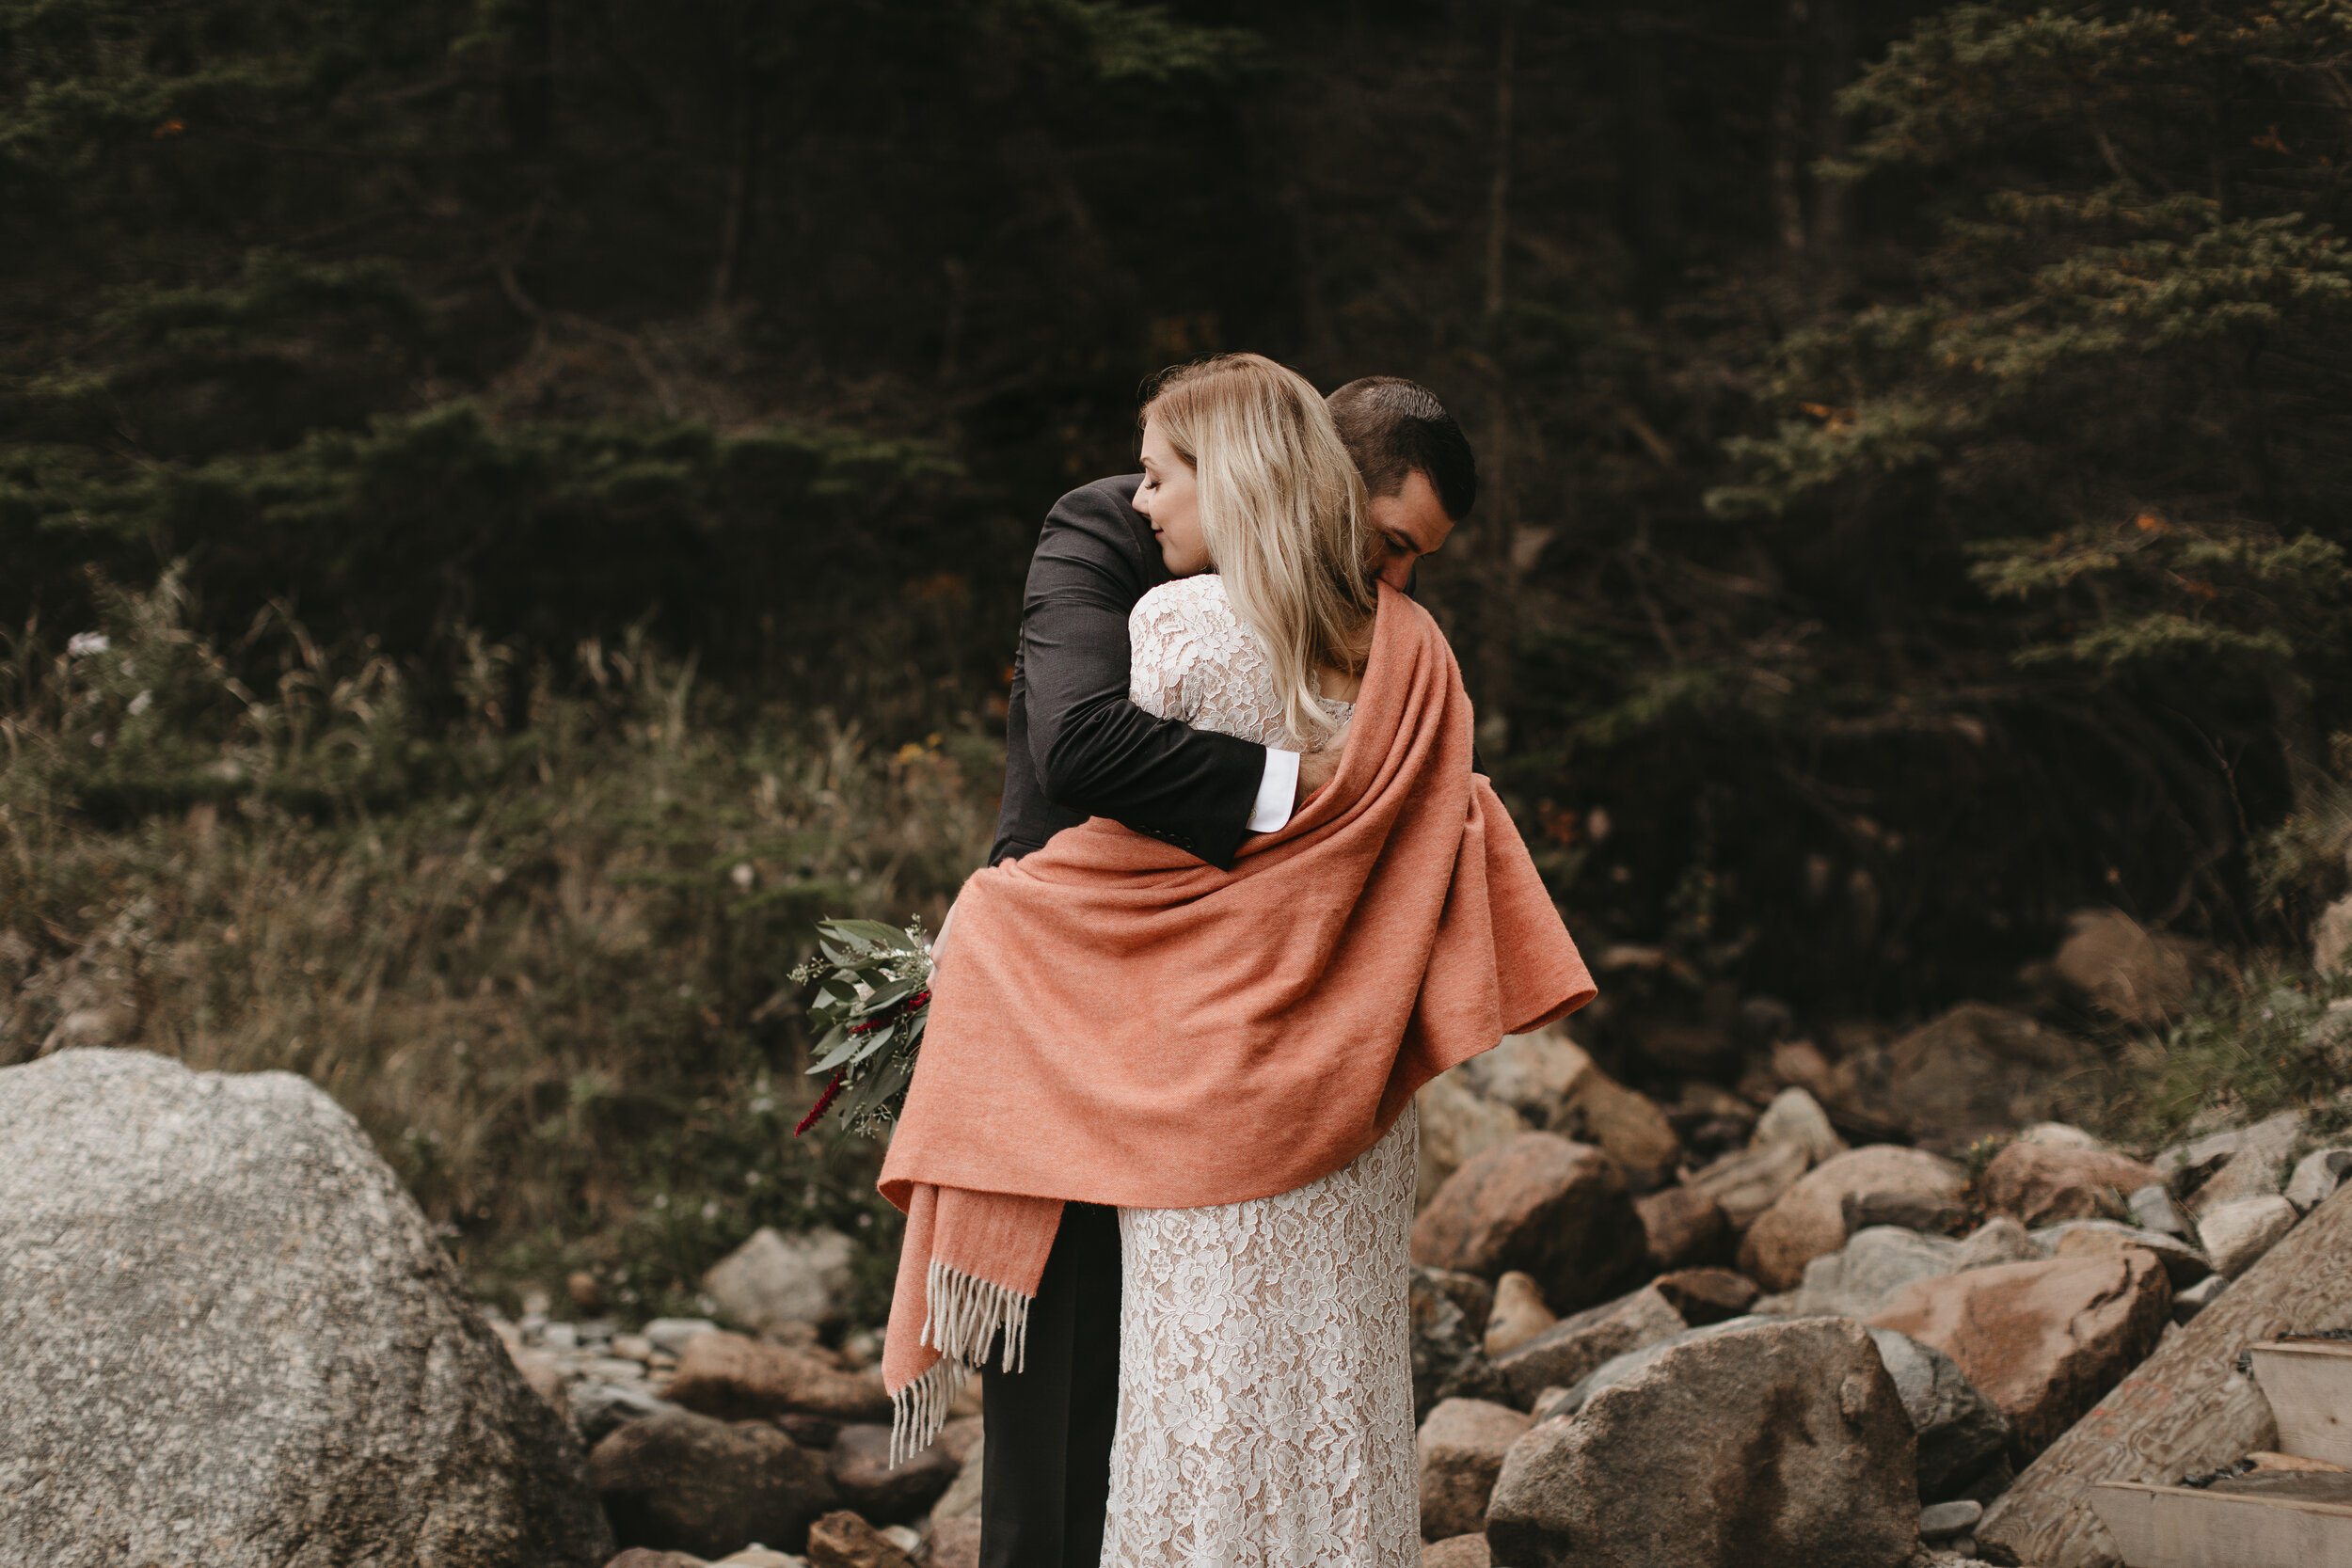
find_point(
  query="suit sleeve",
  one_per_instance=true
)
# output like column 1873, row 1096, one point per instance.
column 1095, row 750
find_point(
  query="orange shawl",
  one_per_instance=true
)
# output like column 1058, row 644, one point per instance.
column 1115, row 1022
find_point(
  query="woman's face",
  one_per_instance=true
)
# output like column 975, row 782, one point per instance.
column 1170, row 498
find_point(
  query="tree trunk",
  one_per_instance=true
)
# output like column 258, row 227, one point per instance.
column 1789, row 131
column 2186, row 1409
column 1833, row 61
column 735, row 227
column 527, row 93
column 1499, row 187
column 2300, row 745
column 1647, row 134
column 1498, row 574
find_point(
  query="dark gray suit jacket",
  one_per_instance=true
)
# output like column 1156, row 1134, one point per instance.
column 1074, row 746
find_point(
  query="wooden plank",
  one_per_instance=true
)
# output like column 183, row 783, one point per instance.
column 2310, row 1390
column 2185, row 1409
column 2173, row 1527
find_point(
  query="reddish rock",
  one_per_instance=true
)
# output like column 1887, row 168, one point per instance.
column 960, row 1437
column 1782, row 1445
column 1563, row 1353
column 1688, row 1049
column 1809, row 1220
column 1682, row 1227
column 1747, row 1183
column 1800, row 1065
column 845, row 1540
column 1551, row 1209
column 643, row 1557
column 2042, row 1184
column 1929, row 1214
column 1625, row 1123
column 861, row 1473
column 953, row 1544
column 1704, row 1296
column 1457, row 1124
column 2138, row 976
column 2041, row 1340
column 1463, row 1551
column 682, row 1481
column 736, row 1378
column 545, row 1374
column 1976, row 1071
column 1519, row 1314
column 1461, row 1448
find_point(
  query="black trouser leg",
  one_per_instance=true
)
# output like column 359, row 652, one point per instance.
column 1046, row 1470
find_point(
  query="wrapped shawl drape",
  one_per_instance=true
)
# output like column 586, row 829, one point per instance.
column 1116, row 1021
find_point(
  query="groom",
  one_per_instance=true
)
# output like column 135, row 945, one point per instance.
column 1075, row 748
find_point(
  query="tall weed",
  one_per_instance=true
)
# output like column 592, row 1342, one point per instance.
column 537, row 946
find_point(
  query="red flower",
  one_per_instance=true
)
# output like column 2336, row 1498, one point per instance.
column 824, row 1103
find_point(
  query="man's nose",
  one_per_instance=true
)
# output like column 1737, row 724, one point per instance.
column 1398, row 573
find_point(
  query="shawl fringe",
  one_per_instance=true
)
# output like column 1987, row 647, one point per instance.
column 963, row 1318
column 965, row 1313
column 919, row 1410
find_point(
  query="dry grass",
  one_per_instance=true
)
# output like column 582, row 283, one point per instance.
column 540, row 955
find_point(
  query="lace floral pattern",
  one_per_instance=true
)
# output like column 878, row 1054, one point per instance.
column 1265, row 1386
column 1265, row 1379
column 1191, row 657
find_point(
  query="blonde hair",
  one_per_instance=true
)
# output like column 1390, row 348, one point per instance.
column 1282, row 513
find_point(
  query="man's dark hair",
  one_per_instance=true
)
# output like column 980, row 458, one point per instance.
column 1393, row 426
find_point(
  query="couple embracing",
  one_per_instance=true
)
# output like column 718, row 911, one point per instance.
column 1157, row 1158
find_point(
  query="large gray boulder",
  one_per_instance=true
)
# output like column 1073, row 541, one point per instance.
column 231, row 1338
column 1774, row 1444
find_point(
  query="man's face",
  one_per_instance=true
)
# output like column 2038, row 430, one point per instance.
column 1404, row 528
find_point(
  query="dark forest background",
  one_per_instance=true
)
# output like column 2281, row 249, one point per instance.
column 509, row 509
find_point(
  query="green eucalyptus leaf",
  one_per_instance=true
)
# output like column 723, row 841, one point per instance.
column 888, row 996
column 870, row 1044
column 849, row 1050
column 888, row 938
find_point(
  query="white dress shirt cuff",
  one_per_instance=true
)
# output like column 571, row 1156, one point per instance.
column 1275, row 791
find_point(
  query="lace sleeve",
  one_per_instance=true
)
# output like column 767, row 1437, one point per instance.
column 1166, row 654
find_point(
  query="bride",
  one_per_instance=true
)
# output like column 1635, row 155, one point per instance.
column 1230, row 1057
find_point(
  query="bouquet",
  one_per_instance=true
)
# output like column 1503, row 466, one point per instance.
column 873, row 997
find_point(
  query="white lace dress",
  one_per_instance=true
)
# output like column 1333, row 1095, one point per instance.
column 1265, row 1388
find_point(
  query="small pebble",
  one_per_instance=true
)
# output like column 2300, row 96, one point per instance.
column 2153, row 1208
column 671, row 1333
column 1549, row 1402
column 2188, row 1302
column 614, row 1369
column 1952, row 1518
column 632, row 1347
column 560, row 1336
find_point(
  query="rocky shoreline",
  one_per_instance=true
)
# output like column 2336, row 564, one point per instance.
column 1885, row 1312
